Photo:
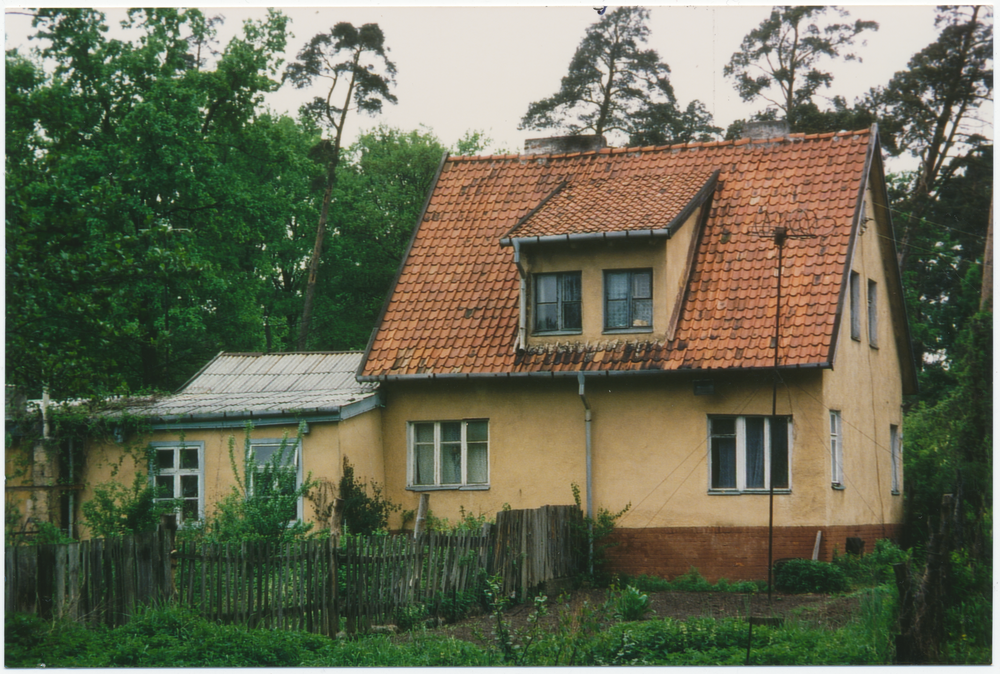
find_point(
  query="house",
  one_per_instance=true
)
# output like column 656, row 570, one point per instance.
column 581, row 315
column 186, row 437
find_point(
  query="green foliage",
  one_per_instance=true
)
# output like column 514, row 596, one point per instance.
column 692, row 581
column 363, row 513
column 613, row 85
column 512, row 646
column 806, row 575
column 263, row 501
column 874, row 568
column 117, row 510
column 594, row 537
column 631, row 604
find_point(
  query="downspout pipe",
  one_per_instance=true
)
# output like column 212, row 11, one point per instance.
column 587, row 422
column 522, row 276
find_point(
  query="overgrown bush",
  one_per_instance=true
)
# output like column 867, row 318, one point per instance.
column 631, row 604
column 874, row 568
column 116, row 510
column 363, row 513
column 806, row 575
column 594, row 534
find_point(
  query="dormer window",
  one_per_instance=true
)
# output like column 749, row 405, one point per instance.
column 557, row 303
column 628, row 299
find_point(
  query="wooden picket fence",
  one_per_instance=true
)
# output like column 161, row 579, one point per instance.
column 308, row 585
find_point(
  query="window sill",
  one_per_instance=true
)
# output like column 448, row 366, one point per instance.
column 556, row 333
column 625, row 331
column 895, row 492
column 456, row 487
column 874, row 346
column 737, row 492
column 838, row 487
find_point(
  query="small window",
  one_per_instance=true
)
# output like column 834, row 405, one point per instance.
column 628, row 300
column 277, row 473
column 872, row 314
column 449, row 454
column 895, row 450
column 557, row 302
column 745, row 451
column 177, row 474
column 855, row 306
column 836, row 449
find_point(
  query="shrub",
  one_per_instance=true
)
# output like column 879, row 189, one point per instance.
column 116, row 510
column 874, row 568
column 806, row 575
column 595, row 535
column 631, row 605
column 363, row 513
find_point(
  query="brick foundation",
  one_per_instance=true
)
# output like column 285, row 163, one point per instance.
column 734, row 553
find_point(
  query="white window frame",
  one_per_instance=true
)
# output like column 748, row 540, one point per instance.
column 741, row 487
column 836, row 449
column 177, row 471
column 411, row 457
column 872, row 314
column 896, row 456
column 290, row 444
column 855, row 281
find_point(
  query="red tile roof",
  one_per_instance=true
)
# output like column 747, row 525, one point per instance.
column 454, row 309
column 602, row 205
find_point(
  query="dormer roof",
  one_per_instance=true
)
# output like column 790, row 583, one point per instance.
column 454, row 309
column 640, row 205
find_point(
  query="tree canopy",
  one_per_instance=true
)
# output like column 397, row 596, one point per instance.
column 614, row 85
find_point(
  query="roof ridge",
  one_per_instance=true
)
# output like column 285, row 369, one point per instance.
column 290, row 353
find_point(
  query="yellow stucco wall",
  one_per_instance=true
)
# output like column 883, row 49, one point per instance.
column 666, row 257
column 865, row 387
column 324, row 448
column 650, row 446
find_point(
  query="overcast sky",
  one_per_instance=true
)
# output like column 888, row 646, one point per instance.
column 462, row 68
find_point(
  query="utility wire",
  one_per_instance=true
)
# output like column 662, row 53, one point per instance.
column 937, row 224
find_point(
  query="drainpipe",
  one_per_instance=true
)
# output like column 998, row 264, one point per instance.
column 590, row 483
column 523, row 291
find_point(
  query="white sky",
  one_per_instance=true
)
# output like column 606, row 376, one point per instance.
column 462, row 68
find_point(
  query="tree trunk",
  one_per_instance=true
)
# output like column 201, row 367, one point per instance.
column 313, row 268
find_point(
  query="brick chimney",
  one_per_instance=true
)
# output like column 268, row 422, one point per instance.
column 776, row 128
column 564, row 144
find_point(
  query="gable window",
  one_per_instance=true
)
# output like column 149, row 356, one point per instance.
column 178, row 474
column 449, row 454
column 836, row 450
column 895, row 453
column 872, row 313
column 557, row 302
column 628, row 299
column 855, row 306
column 277, row 471
column 746, row 451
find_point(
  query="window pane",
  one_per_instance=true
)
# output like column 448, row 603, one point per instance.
column 570, row 287
column 423, row 432
column 451, row 432
column 725, row 426
column 189, row 486
column 451, row 463
column 548, row 288
column 478, row 459
column 779, row 452
column 755, row 452
column 642, row 285
column 165, row 486
column 642, row 313
column 724, row 463
column 265, row 454
column 190, row 510
column 617, row 314
column 189, row 459
column 164, row 458
column 477, row 431
column 572, row 316
column 617, row 286
column 424, row 464
column 546, row 317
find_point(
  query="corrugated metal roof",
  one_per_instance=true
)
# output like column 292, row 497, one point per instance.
column 238, row 383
